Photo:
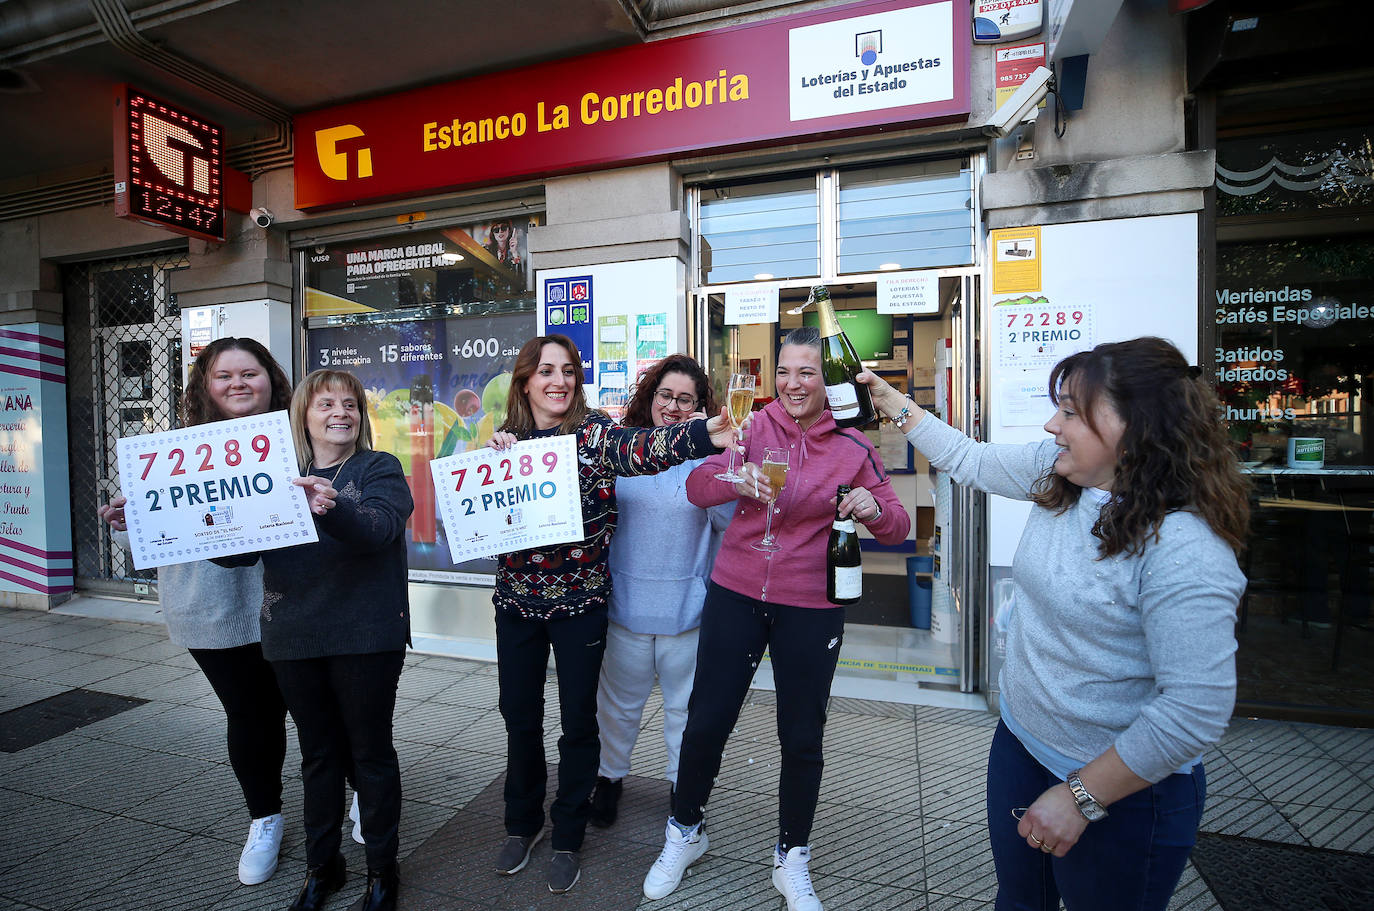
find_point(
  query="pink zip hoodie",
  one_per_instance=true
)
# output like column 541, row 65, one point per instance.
column 820, row 460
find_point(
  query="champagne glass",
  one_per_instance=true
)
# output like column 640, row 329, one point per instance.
column 774, row 468
column 741, row 399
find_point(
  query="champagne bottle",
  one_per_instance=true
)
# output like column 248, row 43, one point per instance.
column 851, row 404
column 844, row 574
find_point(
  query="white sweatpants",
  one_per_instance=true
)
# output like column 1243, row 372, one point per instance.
column 632, row 662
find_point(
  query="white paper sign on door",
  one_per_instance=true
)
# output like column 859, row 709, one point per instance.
column 916, row 292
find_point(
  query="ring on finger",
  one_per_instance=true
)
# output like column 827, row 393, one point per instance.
column 1048, row 849
column 1039, row 843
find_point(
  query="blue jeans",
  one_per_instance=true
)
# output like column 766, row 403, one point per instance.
column 1130, row 861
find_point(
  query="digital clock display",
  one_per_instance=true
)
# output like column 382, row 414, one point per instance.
column 169, row 166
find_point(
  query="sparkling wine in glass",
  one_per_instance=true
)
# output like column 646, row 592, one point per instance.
column 774, row 468
column 740, row 396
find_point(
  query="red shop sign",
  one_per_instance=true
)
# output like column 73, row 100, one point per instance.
column 859, row 68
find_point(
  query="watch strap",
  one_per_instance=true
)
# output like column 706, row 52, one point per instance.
column 1087, row 804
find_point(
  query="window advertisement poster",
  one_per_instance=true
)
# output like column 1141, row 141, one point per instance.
column 613, row 364
column 566, row 306
column 434, row 388
column 431, row 322
column 421, row 272
column 635, row 315
column 35, row 506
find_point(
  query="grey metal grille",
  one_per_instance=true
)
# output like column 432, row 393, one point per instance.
column 123, row 313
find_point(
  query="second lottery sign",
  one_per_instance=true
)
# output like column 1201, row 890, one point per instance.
column 497, row 502
column 213, row 490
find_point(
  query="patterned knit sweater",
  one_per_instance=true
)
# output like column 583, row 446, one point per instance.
column 564, row 580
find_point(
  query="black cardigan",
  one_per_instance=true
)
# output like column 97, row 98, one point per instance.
column 345, row 594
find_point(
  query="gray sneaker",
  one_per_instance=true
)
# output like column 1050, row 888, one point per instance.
column 515, row 852
column 564, row 869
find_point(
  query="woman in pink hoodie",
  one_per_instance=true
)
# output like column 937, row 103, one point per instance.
column 775, row 601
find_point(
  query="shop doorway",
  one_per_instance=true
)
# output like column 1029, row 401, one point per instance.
column 915, row 628
column 123, row 330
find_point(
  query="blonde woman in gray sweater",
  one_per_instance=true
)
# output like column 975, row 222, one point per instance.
column 1120, row 667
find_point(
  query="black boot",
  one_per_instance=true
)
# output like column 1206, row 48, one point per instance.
column 382, row 888
column 320, row 883
column 605, row 800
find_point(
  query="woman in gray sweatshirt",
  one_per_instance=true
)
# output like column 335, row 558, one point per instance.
column 213, row 611
column 1120, row 666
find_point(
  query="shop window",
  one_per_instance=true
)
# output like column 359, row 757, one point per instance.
column 760, row 231
column 430, row 322
column 1295, row 345
column 1316, row 170
column 910, row 216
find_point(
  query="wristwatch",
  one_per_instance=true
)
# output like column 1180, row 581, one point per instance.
column 1087, row 804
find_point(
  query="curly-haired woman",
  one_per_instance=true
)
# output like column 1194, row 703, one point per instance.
column 660, row 567
column 1120, row 666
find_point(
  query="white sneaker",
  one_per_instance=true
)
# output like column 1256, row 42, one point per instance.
column 356, row 815
column 793, row 880
column 680, row 851
column 258, row 861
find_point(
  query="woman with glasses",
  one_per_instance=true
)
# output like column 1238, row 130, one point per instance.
column 660, row 566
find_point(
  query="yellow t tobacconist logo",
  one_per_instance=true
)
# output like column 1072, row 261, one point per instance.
column 334, row 163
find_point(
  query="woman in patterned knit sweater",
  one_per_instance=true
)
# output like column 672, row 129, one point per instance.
column 557, row 597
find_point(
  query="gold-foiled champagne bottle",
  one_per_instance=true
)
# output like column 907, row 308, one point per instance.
column 850, row 401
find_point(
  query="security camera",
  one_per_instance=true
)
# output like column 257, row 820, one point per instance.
column 261, row 217
column 1021, row 106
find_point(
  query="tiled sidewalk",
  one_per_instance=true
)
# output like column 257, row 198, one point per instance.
column 141, row 811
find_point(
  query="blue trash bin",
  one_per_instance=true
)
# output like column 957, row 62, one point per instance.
column 918, row 589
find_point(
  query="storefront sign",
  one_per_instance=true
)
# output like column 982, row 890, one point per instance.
column 914, row 292
column 522, row 497
column 35, row 506
column 213, row 490
column 854, row 69
column 168, row 166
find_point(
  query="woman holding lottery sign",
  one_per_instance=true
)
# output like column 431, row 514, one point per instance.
column 556, row 598
column 213, row 610
column 1120, row 665
column 335, row 625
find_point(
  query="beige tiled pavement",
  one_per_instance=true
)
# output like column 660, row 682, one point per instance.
column 141, row 811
